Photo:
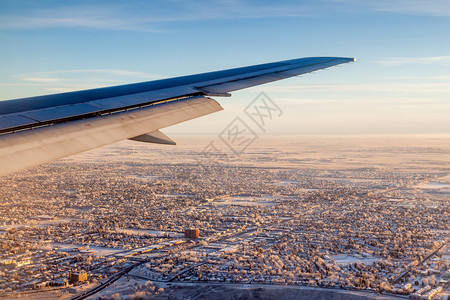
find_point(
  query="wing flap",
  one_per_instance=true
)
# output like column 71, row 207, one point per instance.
column 61, row 112
column 14, row 121
column 39, row 117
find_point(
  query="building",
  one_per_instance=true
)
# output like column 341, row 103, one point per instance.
column 191, row 233
column 431, row 294
column 59, row 282
column 40, row 285
column 417, row 295
column 77, row 277
column 407, row 286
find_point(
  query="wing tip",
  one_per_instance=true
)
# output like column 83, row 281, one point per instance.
column 318, row 58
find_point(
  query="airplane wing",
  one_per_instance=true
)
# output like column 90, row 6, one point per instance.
column 41, row 129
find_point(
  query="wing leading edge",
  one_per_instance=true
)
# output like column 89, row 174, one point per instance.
column 178, row 99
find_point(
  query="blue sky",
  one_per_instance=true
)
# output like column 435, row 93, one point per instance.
column 401, row 83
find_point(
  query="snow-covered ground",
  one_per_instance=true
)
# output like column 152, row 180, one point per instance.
column 99, row 251
column 343, row 259
column 436, row 186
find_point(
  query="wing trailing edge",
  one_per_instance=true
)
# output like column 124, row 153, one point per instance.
column 33, row 147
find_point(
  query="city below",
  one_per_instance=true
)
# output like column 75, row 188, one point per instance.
column 332, row 217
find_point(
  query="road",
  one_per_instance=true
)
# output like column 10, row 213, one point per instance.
column 108, row 282
column 398, row 278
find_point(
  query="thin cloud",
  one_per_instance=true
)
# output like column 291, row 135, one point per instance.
column 415, row 7
column 408, row 7
column 443, row 77
column 147, row 16
column 103, row 71
column 441, row 87
column 63, row 90
column 153, row 16
column 107, row 17
column 55, row 76
column 40, row 79
column 394, row 61
column 364, row 101
column 71, row 80
column 32, row 22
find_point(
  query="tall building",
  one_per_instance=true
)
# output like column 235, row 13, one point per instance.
column 191, row 233
column 77, row 277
